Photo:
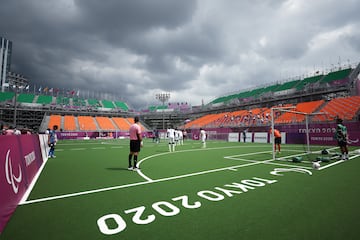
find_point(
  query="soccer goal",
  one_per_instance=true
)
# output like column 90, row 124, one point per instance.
column 294, row 118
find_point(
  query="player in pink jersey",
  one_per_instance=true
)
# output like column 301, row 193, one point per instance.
column 135, row 143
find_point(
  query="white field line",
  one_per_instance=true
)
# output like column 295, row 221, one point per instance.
column 337, row 162
column 32, row 184
column 269, row 161
column 134, row 184
column 149, row 180
column 181, row 151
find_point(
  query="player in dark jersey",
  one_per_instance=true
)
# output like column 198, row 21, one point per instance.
column 342, row 138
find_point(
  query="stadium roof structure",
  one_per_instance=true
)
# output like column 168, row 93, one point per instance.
column 285, row 88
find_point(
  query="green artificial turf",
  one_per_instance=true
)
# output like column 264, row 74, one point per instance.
column 188, row 194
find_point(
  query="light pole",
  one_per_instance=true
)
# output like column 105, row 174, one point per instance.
column 16, row 86
column 163, row 97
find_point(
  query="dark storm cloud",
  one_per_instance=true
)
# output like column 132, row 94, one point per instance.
column 195, row 49
column 53, row 34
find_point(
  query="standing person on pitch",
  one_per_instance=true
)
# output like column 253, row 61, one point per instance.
column 203, row 137
column 135, row 143
column 52, row 139
column 157, row 137
column 244, row 135
column 342, row 139
column 277, row 141
column 184, row 134
column 171, row 137
column 181, row 137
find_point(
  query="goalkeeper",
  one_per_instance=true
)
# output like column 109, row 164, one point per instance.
column 277, row 141
column 342, row 138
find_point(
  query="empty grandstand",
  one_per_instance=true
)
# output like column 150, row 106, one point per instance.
column 336, row 94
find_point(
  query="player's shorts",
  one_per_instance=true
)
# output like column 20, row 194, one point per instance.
column 342, row 143
column 135, row 145
column 278, row 140
column 171, row 140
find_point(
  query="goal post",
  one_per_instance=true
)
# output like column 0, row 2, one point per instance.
column 292, row 109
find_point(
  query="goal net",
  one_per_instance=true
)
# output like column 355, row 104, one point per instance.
column 307, row 140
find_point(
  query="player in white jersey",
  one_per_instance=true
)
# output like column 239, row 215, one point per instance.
column 181, row 137
column 171, row 137
column 203, row 137
column 176, row 137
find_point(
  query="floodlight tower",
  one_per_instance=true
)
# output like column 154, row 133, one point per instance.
column 17, row 83
column 163, row 97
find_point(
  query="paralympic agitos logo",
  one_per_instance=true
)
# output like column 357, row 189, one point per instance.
column 12, row 179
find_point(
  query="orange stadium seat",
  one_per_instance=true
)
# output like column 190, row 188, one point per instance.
column 105, row 123
column 345, row 108
column 122, row 123
column 87, row 123
column 69, row 123
column 54, row 120
column 305, row 107
column 204, row 120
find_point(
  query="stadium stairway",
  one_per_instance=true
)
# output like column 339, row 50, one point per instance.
column 77, row 124
column 44, row 124
column 104, row 123
column 87, row 123
column 115, row 125
column 121, row 123
column 61, row 126
column 98, row 128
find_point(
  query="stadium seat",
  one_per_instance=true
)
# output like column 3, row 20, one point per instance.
column 107, row 104
column 87, row 123
column 44, row 99
column 345, row 108
column 305, row 107
column 6, row 96
column 25, row 98
column 54, row 120
column 105, row 123
column 69, row 123
column 122, row 123
column 121, row 105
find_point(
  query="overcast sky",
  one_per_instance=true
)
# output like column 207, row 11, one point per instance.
column 196, row 50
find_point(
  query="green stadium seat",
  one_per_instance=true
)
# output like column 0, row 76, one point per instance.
column 93, row 102
column 25, row 98
column 79, row 102
column 122, row 105
column 62, row 100
column 306, row 81
column 338, row 75
column 6, row 96
column 107, row 104
column 44, row 99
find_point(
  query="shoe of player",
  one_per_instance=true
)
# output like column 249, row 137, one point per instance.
column 130, row 168
column 136, row 169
